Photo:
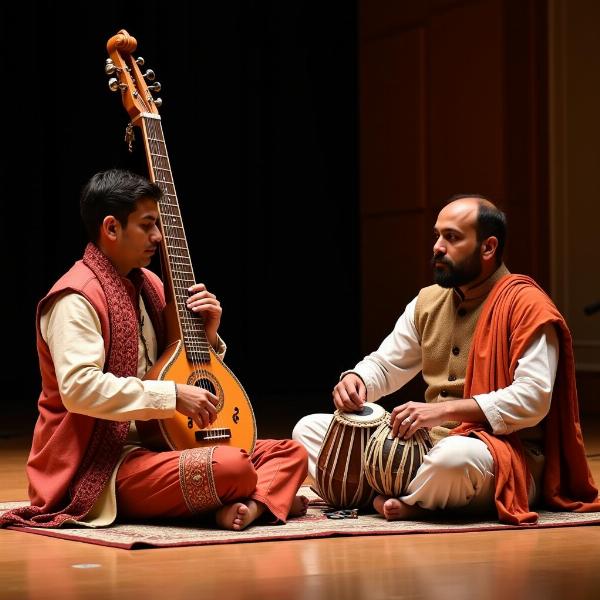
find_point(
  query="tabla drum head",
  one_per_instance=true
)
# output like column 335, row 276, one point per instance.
column 371, row 415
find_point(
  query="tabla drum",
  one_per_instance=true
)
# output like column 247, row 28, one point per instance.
column 391, row 464
column 340, row 479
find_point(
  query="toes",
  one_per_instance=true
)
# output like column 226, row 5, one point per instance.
column 232, row 516
column 299, row 506
column 379, row 503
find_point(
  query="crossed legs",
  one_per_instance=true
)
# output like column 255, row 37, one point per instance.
column 457, row 474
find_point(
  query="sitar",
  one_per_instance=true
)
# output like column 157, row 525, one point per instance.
column 188, row 356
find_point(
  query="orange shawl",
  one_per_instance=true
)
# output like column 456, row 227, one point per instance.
column 514, row 312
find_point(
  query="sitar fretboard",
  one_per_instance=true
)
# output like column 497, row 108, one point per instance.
column 174, row 245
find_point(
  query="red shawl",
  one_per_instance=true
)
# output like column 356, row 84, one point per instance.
column 514, row 312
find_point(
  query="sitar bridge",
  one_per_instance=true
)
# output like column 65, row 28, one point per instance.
column 224, row 433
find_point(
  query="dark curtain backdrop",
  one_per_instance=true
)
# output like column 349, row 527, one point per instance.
column 260, row 120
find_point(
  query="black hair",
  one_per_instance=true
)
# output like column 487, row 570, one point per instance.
column 113, row 192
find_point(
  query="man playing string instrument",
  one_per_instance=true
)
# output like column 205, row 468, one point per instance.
column 100, row 329
column 501, row 402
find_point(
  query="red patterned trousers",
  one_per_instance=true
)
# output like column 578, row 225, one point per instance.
column 182, row 483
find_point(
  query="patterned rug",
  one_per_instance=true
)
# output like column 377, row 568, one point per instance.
column 314, row 525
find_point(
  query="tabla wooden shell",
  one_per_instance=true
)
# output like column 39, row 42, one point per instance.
column 340, row 479
column 390, row 465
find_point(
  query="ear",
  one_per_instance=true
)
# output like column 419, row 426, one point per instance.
column 489, row 247
column 110, row 227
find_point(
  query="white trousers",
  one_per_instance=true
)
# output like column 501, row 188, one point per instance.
column 457, row 473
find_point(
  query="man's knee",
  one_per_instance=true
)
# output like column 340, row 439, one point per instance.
column 457, row 472
column 301, row 428
column 458, row 456
column 311, row 430
column 297, row 450
column 234, row 473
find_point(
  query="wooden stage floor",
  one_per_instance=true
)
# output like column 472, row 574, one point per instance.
column 544, row 564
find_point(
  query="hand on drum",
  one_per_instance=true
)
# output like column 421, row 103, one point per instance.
column 408, row 418
column 350, row 393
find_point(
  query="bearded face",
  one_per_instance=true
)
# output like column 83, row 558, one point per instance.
column 450, row 274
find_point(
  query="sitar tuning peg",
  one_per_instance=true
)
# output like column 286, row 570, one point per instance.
column 140, row 61
column 109, row 67
column 149, row 75
column 155, row 87
column 115, row 86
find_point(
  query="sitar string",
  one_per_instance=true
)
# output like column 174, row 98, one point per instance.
column 195, row 341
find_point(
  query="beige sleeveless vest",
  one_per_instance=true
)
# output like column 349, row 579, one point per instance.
column 445, row 321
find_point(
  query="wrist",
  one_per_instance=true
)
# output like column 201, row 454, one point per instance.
column 448, row 412
column 354, row 374
column 213, row 339
column 465, row 409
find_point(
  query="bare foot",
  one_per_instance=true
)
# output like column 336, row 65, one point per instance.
column 299, row 507
column 239, row 515
column 394, row 509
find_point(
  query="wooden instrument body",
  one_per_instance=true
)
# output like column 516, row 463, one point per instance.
column 235, row 424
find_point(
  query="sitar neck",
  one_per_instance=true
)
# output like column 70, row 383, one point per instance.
column 178, row 272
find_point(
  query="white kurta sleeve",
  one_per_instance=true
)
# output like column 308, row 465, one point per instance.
column 526, row 401
column 71, row 328
column 395, row 362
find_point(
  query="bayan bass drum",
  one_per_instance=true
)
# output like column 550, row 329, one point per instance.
column 390, row 464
